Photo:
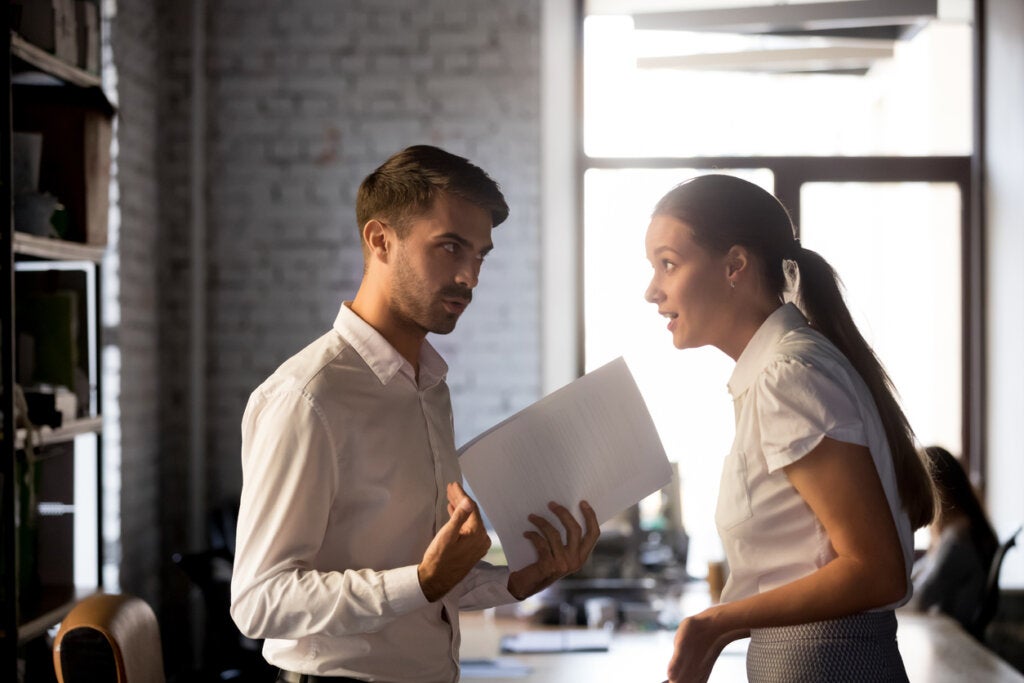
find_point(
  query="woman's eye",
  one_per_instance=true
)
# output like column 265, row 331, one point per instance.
column 667, row 266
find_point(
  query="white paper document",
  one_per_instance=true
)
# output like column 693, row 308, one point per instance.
column 591, row 440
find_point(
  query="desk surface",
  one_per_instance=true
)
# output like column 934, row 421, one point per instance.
column 935, row 650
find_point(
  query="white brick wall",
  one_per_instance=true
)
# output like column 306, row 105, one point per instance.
column 137, row 264
column 305, row 98
column 308, row 97
column 151, row 54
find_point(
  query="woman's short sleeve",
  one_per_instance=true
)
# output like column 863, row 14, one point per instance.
column 798, row 404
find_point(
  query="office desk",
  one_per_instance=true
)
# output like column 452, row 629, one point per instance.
column 935, row 650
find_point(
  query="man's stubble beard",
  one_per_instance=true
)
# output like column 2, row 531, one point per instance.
column 412, row 304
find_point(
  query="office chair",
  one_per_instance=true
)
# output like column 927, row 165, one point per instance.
column 109, row 639
column 227, row 654
column 990, row 602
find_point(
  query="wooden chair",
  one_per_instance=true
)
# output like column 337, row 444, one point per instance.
column 109, row 639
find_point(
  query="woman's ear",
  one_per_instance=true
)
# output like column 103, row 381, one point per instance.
column 737, row 263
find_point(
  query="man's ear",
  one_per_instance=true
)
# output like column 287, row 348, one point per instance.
column 378, row 238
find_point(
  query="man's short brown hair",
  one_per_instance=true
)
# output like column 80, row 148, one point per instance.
column 406, row 185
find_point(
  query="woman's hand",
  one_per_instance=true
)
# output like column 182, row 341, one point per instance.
column 695, row 652
column 698, row 643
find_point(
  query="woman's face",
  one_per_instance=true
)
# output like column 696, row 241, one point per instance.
column 690, row 285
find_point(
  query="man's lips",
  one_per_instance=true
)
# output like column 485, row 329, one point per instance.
column 456, row 305
column 456, row 298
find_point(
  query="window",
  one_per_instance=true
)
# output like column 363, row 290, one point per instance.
column 864, row 135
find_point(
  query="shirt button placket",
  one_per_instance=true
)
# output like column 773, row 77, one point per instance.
column 440, row 493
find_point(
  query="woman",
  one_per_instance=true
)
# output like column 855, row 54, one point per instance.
column 824, row 487
column 951, row 576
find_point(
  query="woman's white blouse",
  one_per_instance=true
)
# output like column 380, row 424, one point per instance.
column 791, row 388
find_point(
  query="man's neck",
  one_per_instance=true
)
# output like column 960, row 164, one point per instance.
column 375, row 312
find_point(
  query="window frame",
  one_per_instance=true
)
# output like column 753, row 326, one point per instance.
column 792, row 172
column 563, row 28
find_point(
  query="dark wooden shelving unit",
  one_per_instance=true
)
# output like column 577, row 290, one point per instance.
column 68, row 106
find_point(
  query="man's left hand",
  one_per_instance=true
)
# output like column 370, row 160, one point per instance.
column 555, row 559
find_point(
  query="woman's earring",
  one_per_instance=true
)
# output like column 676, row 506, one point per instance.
column 732, row 283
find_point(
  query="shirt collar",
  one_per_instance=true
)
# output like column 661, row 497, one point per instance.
column 382, row 357
column 757, row 353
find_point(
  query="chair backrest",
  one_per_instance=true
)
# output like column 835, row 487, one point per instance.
column 990, row 603
column 109, row 639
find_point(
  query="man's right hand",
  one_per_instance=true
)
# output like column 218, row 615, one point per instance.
column 456, row 548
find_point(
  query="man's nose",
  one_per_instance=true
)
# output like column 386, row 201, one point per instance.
column 469, row 274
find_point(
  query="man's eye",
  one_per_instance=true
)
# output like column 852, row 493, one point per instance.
column 450, row 247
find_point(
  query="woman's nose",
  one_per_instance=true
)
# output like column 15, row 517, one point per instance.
column 653, row 294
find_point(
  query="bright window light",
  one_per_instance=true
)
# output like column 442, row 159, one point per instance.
column 916, row 102
column 912, row 101
column 684, row 391
column 897, row 248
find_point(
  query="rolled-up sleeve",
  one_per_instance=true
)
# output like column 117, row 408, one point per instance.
column 289, row 469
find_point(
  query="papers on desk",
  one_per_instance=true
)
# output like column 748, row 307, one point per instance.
column 501, row 667
column 558, row 640
column 591, row 440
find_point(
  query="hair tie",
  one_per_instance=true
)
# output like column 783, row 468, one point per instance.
column 795, row 249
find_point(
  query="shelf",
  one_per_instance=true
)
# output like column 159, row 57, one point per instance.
column 46, row 435
column 56, row 250
column 44, row 61
column 81, row 86
column 69, row 108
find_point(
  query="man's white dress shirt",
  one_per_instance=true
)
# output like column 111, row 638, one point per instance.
column 791, row 388
column 345, row 462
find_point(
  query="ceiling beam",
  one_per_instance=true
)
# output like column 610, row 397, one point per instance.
column 817, row 16
column 832, row 58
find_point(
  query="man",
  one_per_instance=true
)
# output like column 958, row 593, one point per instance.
column 357, row 546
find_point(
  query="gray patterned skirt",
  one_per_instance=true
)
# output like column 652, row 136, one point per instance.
column 860, row 648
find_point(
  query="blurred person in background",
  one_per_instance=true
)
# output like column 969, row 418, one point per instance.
column 951, row 576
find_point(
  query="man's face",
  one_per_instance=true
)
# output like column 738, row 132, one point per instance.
column 437, row 264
